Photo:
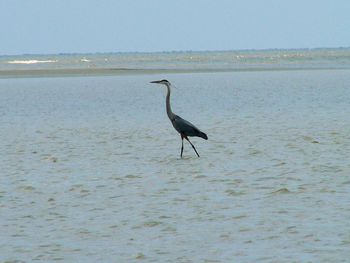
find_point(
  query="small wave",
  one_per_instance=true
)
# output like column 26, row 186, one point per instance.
column 281, row 191
column 31, row 61
column 85, row 60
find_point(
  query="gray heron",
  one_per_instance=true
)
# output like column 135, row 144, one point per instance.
column 185, row 128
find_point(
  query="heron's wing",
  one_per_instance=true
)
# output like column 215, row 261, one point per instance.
column 185, row 127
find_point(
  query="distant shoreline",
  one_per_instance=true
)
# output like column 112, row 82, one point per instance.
column 37, row 73
column 176, row 51
column 118, row 64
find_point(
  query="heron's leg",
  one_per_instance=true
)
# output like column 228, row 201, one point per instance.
column 194, row 148
column 182, row 145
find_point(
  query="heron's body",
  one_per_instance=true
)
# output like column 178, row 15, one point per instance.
column 185, row 128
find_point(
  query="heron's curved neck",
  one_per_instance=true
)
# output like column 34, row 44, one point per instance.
column 168, row 108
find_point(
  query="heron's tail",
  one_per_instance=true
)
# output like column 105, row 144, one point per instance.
column 203, row 135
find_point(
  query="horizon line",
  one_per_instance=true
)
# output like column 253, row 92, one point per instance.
column 176, row 51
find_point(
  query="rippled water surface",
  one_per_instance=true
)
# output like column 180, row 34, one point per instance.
column 90, row 169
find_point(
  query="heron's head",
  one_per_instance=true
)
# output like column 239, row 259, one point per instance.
column 163, row 81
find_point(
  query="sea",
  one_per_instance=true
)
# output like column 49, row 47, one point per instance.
column 90, row 167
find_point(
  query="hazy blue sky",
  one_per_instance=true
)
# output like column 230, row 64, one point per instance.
column 66, row 26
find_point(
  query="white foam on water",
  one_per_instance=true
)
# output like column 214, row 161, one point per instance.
column 31, row 61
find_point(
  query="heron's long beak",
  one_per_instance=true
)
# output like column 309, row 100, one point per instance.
column 156, row 81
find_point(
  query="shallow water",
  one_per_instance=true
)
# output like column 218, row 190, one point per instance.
column 90, row 169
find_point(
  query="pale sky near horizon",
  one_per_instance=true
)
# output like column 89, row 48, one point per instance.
column 84, row 26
